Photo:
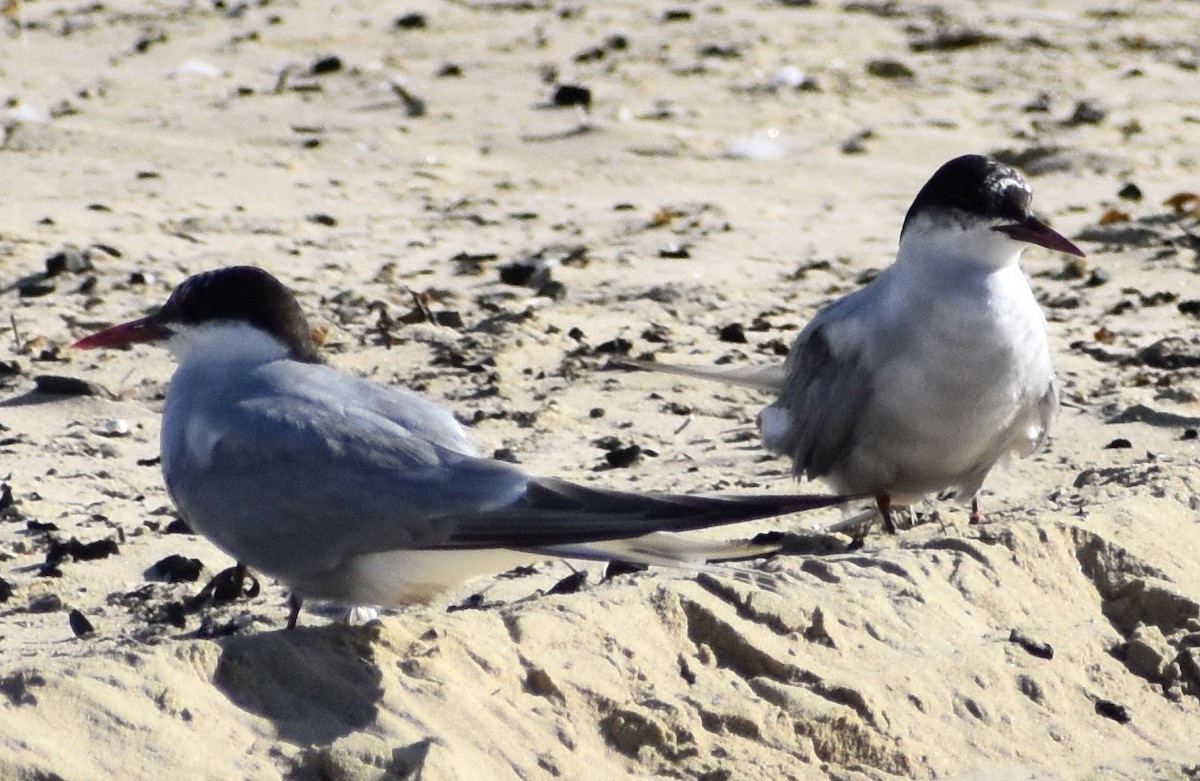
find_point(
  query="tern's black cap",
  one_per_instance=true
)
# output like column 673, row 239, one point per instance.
column 977, row 186
column 242, row 294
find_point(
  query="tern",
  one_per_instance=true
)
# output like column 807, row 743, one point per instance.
column 360, row 494
column 938, row 369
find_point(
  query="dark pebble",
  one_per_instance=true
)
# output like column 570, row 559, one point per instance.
column 524, row 274
column 34, row 288
column 6, row 497
column 322, row 219
column 572, row 95
column 889, row 69
column 80, row 624
column 66, row 386
column 618, row 568
column 413, row 20
column 618, row 346
column 1130, row 192
column 1190, row 435
column 596, row 412
column 6, row 590
column 506, row 454
column 40, row 527
column 734, row 333
column 1190, row 307
column 1087, row 112
column 571, row 584
column 175, row 569
column 624, row 457
column 60, row 550
column 1172, row 352
column 676, row 15
column 675, row 251
column 1033, row 647
column 68, row 259
column 155, row 461
column 449, row 70
column 178, row 526
column 330, row 64
column 1120, row 443
column 448, row 318
column 1114, row 711
column 553, row 290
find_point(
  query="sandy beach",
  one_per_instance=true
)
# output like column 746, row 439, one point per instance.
column 493, row 203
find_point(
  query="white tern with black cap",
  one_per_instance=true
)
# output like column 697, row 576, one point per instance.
column 360, row 494
column 926, row 378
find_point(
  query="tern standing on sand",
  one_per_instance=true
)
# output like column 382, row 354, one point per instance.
column 927, row 377
column 360, row 494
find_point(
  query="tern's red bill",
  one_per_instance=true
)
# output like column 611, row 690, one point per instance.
column 142, row 330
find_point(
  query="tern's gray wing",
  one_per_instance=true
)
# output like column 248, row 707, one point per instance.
column 555, row 512
column 290, row 468
column 828, row 386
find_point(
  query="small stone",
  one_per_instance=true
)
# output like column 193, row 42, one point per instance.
column 175, row 569
column 1130, row 192
column 734, row 333
column 413, row 20
column 1115, row 711
column 571, row 584
column 1087, row 112
column 1120, row 443
column 572, row 95
column 329, row 64
column 889, row 69
column 1041, row 650
column 80, row 624
column 623, row 457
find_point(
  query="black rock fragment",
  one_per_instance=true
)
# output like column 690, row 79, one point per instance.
column 413, row 20
column 618, row 568
column 734, row 333
column 1087, row 112
column 1120, row 443
column 1033, row 647
column 6, row 591
column 1111, row 710
column 178, row 526
column 571, row 584
column 69, row 259
column 80, row 624
column 571, row 95
column 328, row 64
column 175, row 569
column 1130, row 192
column 624, row 457
column 60, row 550
column 58, row 385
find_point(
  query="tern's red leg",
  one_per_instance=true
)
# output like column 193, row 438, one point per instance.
column 976, row 516
column 884, row 502
column 294, row 605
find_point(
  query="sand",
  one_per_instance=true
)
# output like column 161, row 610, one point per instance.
column 738, row 164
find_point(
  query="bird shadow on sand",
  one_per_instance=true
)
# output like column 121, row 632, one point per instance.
column 315, row 685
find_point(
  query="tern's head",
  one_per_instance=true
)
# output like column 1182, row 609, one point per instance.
column 976, row 209
column 224, row 301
